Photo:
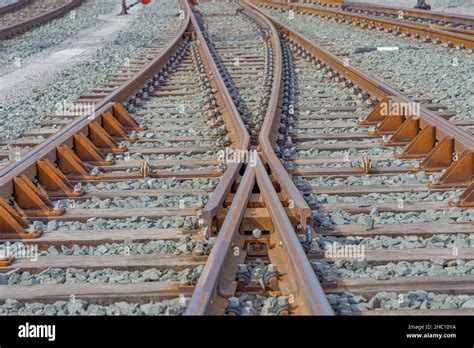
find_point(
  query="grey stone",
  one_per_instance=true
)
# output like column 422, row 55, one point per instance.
column 468, row 304
column 338, row 219
column 102, row 249
column 375, row 211
column 52, row 225
column 151, row 274
column 362, row 202
column 74, row 307
column 53, row 251
column 380, row 275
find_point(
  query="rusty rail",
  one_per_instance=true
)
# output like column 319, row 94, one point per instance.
column 453, row 38
column 218, row 274
column 221, row 263
column 14, row 6
column 18, row 28
column 440, row 16
column 240, row 135
column 269, row 130
column 303, row 283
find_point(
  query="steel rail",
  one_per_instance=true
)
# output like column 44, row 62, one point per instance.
column 26, row 165
column 20, row 27
column 304, row 284
column 267, row 136
column 220, row 261
column 439, row 16
column 14, row 6
column 444, row 128
column 224, row 186
column 301, row 281
column 405, row 27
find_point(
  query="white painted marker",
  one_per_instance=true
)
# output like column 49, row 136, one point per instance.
column 387, row 48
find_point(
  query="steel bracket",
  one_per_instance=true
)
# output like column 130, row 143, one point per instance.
column 124, row 118
column 31, row 200
column 12, row 225
column 376, row 116
column 421, row 146
column 459, row 173
column 440, row 157
column 405, row 133
column 389, row 125
column 54, row 182
column 88, row 152
column 115, row 129
column 466, row 200
column 103, row 140
column 70, row 164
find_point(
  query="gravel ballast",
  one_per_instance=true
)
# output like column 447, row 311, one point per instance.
column 348, row 303
column 80, row 307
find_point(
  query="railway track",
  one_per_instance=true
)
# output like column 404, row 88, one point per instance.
column 375, row 190
column 192, row 191
column 257, row 266
column 21, row 16
column 14, row 5
column 446, row 20
column 78, row 254
column 116, row 84
column 407, row 69
column 448, row 30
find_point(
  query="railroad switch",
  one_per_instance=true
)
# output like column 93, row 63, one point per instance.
column 283, row 306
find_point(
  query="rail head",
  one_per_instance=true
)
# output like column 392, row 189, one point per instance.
column 271, row 123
